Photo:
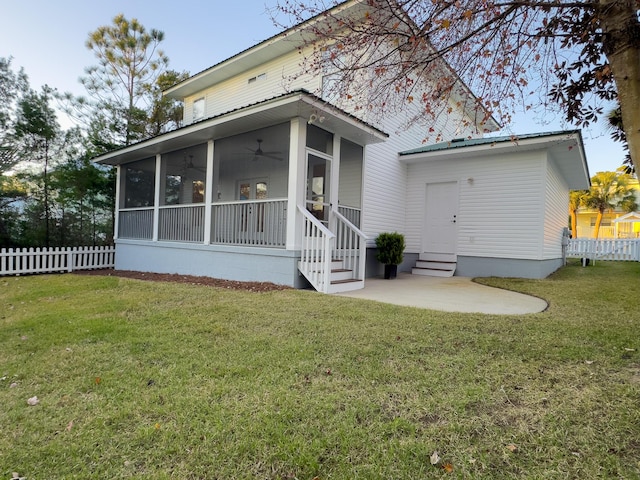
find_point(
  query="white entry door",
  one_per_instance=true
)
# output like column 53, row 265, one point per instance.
column 440, row 233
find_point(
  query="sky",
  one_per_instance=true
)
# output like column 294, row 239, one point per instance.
column 48, row 37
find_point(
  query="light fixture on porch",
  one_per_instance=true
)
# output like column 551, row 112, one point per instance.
column 315, row 117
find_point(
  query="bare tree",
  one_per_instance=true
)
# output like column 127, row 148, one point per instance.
column 577, row 55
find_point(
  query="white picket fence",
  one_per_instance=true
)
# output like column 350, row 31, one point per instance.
column 624, row 249
column 22, row 261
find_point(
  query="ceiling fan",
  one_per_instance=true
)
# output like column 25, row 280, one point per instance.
column 190, row 166
column 258, row 153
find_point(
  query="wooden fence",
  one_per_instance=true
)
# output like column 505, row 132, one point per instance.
column 22, row 261
column 625, row 249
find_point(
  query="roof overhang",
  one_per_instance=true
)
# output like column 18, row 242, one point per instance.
column 271, row 112
column 281, row 44
column 566, row 149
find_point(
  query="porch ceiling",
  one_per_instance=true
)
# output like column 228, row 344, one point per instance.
column 271, row 112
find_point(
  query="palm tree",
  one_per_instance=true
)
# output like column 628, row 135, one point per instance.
column 608, row 191
column 576, row 200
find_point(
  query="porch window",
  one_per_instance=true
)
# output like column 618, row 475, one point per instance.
column 181, row 216
column 250, row 205
column 137, row 181
column 139, row 184
column 184, row 174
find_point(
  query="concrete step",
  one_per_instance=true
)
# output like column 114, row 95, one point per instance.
column 438, row 257
column 436, row 264
column 432, row 272
column 345, row 285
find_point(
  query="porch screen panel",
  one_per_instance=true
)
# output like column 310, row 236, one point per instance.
column 139, row 184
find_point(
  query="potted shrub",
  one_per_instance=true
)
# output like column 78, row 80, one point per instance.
column 390, row 250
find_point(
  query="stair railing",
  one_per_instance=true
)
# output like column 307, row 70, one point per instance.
column 350, row 245
column 317, row 243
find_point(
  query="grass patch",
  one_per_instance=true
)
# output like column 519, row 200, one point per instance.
column 157, row 380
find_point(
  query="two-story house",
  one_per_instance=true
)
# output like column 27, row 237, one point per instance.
column 270, row 181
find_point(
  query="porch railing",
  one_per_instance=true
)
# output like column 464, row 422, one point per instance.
column 136, row 223
column 625, row 249
column 322, row 247
column 181, row 223
column 350, row 246
column 315, row 258
column 253, row 223
column 20, row 261
column 352, row 214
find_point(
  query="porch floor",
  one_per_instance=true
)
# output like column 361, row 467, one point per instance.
column 453, row 294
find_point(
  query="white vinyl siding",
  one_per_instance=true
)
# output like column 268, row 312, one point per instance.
column 556, row 211
column 501, row 205
column 383, row 186
column 237, row 92
column 385, row 180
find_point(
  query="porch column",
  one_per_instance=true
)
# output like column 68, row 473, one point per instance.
column 156, row 197
column 334, row 181
column 116, row 215
column 209, row 187
column 297, row 181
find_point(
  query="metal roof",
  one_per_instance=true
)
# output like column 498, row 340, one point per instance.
column 565, row 148
column 485, row 141
column 269, row 112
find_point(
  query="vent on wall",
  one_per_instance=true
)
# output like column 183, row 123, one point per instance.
column 257, row 78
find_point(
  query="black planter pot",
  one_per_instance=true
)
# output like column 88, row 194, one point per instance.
column 390, row 271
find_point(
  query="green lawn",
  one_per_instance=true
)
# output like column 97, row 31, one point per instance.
column 151, row 380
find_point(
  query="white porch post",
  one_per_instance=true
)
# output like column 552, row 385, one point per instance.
column 116, row 215
column 297, row 181
column 156, row 198
column 208, row 200
column 334, row 181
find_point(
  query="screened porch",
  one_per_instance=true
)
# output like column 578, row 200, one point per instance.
column 235, row 190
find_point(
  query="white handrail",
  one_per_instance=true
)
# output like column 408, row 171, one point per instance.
column 351, row 244
column 315, row 255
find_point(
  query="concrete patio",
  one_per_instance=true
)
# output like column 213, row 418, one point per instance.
column 452, row 294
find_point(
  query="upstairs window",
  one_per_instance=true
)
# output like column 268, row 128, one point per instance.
column 198, row 109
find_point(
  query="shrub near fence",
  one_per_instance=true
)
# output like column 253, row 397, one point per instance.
column 22, row 261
